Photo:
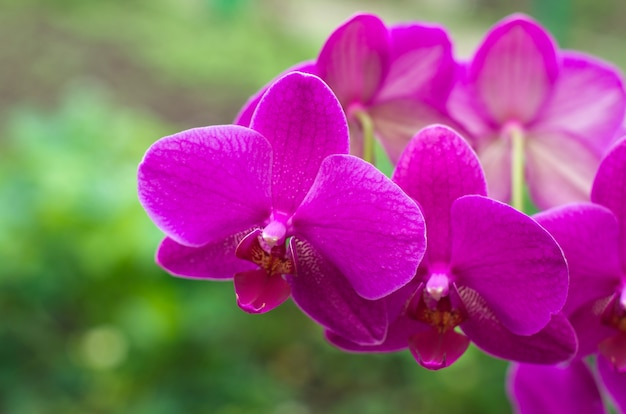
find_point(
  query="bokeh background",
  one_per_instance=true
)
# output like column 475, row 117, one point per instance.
column 88, row 322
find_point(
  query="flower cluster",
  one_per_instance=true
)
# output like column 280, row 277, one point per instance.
column 287, row 202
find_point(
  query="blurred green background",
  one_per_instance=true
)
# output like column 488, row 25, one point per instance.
column 88, row 322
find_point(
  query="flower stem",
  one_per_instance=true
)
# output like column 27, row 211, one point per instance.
column 367, row 127
column 517, row 168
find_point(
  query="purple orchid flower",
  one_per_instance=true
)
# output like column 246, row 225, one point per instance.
column 570, row 388
column 488, row 269
column 281, row 208
column 608, row 190
column 536, row 114
column 593, row 239
column 391, row 82
column 540, row 389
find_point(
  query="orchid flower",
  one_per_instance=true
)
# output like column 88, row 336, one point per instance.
column 391, row 82
column 593, row 239
column 537, row 114
column 280, row 206
column 570, row 388
column 541, row 389
column 489, row 269
column 608, row 190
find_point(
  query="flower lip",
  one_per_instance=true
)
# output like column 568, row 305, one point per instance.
column 442, row 313
column 262, row 289
column 274, row 260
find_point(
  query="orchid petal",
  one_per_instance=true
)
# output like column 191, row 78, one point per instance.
column 215, row 260
column 613, row 349
column 465, row 106
column 554, row 343
column 302, row 120
column 397, row 339
column 436, row 168
column 206, row 184
column 400, row 326
column 398, row 301
column 587, row 101
column 421, row 64
column 259, row 293
column 341, row 310
column 397, row 121
column 514, row 69
column 608, row 189
column 244, row 117
column 588, row 235
column 495, row 158
column 614, row 382
column 587, row 321
column 539, row 389
column 435, row 350
column 507, row 258
column 354, row 59
column 356, row 137
column 364, row 224
column 559, row 169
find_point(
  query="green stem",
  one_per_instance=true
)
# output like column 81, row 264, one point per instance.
column 367, row 127
column 517, row 168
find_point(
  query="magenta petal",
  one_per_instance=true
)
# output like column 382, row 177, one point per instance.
column 514, row 69
column 397, row 339
column 614, row 382
column 205, row 184
column 588, row 235
column 259, row 293
column 215, row 260
column 508, row 258
column 559, row 168
column 244, row 117
column 587, row 101
column 435, row 169
column 364, row 224
column 421, row 65
column 354, row 59
column 495, row 158
column 400, row 326
column 356, row 137
column 540, row 389
column 464, row 105
column 341, row 310
column 613, row 349
column 435, row 350
column 587, row 321
column 397, row 121
column 555, row 343
column 302, row 120
column 608, row 189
